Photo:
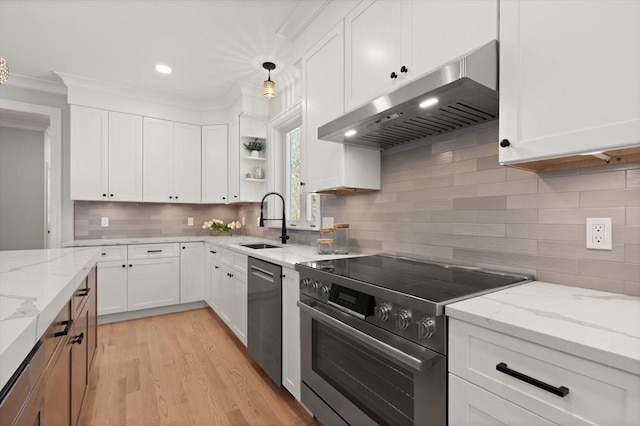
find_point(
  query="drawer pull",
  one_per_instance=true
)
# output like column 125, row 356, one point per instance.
column 560, row 391
column 78, row 339
column 154, row 251
column 67, row 324
column 83, row 292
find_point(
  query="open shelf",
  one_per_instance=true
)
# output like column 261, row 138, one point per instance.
column 255, row 158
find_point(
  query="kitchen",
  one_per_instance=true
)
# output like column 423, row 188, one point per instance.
column 447, row 199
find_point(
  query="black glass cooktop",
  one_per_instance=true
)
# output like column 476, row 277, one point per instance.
column 431, row 281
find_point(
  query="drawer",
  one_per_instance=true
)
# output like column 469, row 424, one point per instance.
column 236, row 260
column 57, row 332
column 597, row 393
column 113, row 253
column 213, row 252
column 152, row 251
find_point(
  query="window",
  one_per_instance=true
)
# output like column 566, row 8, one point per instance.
column 303, row 208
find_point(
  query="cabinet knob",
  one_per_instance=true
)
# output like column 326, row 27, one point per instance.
column 224, row 198
column 404, row 69
column 394, row 75
column 130, row 265
column 124, row 266
column 183, row 247
column 302, row 184
column 104, row 195
column 170, row 197
column 78, row 339
column 216, row 267
column 235, row 196
column 505, row 143
column 176, row 197
column 110, row 195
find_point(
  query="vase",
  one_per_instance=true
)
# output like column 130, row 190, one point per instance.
column 220, row 233
column 255, row 154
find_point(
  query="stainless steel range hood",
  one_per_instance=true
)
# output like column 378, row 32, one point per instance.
column 460, row 94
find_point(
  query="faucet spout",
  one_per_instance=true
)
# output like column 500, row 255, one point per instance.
column 283, row 237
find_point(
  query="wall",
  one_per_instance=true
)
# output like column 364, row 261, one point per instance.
column 451, row 200
column 36, row 97
column 21, row 161
column 138, row 220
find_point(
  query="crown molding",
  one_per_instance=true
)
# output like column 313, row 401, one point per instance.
column 24, row 82
column 303, row 14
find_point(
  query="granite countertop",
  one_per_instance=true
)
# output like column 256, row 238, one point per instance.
column 286, row 255
column 596, row 325
column 34, row 286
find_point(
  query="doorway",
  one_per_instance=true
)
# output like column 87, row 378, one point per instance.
column 23, row 122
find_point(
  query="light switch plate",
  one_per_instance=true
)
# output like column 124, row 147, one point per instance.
column 599, row 233
column 189, row 221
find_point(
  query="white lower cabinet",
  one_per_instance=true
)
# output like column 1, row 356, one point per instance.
column 472, row 405
column 225, row 294
column 291, row 332
column 154, row 276
column 240, row 303
column 112, row 276
column 565, row 389
column 191, row 272
column 229, row 295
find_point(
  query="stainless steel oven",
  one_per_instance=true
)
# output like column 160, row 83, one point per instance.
column 373, row 337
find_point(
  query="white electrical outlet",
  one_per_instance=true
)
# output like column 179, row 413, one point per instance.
column 104, row 222
column 243, row 220
column 189, row 221
column 599, row 233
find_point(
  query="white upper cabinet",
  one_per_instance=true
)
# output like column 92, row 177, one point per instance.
column 106, row 155
column 214, row 164
column 172, row 161
column 389, row 43
column 569, row 78
column 233, row 162
column 373, row 36
column 329, row 165
column 125, row 157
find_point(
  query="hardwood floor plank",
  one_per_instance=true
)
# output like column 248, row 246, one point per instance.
column 182, row 369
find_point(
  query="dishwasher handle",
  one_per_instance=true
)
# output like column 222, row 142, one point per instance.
column 262, row 273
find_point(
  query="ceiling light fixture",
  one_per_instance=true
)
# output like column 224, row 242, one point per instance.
column 163, row 69
column 4, row 70
column 269, row 86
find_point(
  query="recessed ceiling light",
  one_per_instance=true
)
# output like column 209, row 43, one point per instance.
column 350, row 133
column 428, row 102
column 164, row 69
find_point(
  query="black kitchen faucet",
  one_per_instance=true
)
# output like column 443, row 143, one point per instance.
column 283, row 237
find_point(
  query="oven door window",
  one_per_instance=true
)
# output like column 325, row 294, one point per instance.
column 378, row 386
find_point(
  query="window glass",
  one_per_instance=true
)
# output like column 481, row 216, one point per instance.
column 303, row 207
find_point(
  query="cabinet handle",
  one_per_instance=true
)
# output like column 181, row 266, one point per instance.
column 560, row 391
column 124, row 266
column 505, row 143
column 212, row 251
column 78, row 339
column 216, row 267
column 302, row 184
column 103, row 254
column 155, row 251
column 84, row 292
column 394, row 75
column 130, row 265
column 67, row 324
column 404, row 69
column 104, row 195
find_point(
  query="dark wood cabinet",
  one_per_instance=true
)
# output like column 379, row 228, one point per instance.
column 79, row 342
column 57, row 388
column 92, row 307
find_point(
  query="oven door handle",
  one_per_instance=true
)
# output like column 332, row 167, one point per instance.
column 416, row 361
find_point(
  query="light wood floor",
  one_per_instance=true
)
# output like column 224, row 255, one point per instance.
column 181, row 369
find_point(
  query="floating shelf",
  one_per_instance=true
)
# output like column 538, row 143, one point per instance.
column 254, row 158
column 255, row 180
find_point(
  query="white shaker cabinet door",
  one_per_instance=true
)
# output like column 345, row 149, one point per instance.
column 373, row 39
column 191, row 272
column 568, row 77
column 112, row 290
column 89, row 166
column 240, row 305
column 214, row 164
column 153, row 283
column 125, row 157
column 158, row 161
column 233, row 163
column 187, row 159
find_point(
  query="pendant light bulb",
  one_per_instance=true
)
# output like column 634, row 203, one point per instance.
column 269, row 86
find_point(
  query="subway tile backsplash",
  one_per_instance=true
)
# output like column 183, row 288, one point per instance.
column 450, row 201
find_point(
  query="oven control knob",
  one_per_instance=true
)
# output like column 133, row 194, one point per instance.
column 304, row 283
column 324, row 291
column 426, row 327
column 403, row 319
column 383, row 311
column 314, row 286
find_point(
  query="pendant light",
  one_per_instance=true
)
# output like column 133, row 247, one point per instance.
column 4, row 70
column 269, row 86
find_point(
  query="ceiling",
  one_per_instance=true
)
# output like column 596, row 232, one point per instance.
column 211, row 45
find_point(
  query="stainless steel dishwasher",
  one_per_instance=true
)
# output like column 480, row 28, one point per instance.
column 264, row 334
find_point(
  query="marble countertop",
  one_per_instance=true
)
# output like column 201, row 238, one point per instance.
column 34, row 286
column 286, row 255
column 596, row 325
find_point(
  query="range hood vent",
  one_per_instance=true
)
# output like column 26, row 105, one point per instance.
column 460, row 94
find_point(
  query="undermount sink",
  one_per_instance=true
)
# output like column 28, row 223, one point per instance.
column 257, row 246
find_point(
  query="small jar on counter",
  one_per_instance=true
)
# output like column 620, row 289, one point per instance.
column 341, row 238
column 326, row 233
column 325, row 245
